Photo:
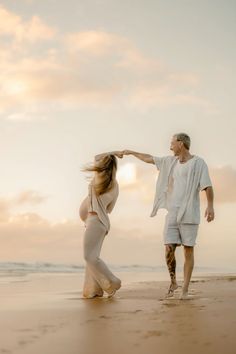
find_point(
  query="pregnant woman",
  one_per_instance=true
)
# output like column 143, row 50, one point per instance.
column 102, row 195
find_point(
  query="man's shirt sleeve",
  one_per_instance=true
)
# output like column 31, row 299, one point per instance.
column 205, row 180
column 158, row 161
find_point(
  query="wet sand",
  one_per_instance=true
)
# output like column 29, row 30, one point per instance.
column 47, row 315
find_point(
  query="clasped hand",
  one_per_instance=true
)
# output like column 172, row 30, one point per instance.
column 120, row 154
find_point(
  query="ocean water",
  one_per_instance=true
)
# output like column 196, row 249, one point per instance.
column 20, row 268
column 25, row 273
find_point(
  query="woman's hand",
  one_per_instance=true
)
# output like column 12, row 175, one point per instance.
column 119, row 154
column 116, row 153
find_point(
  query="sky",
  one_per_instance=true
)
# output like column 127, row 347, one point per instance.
column 78, row 78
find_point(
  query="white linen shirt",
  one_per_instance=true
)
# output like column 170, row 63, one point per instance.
column 197, row 180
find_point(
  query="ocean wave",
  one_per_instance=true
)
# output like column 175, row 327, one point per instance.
column 39, row 267
column 47, row 267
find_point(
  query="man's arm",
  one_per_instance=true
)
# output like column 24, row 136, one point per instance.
column 116, row 153
column 143, row 157
column 209, row 213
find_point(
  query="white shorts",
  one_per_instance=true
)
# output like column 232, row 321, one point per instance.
column 179, row 234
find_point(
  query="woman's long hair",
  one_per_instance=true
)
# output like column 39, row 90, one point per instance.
column 106, row 168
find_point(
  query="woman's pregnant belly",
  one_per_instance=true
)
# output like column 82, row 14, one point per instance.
column 83, row 210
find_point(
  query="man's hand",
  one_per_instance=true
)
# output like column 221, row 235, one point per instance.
column 209, row 214
column 127, row 152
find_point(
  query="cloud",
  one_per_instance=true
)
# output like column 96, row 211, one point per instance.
column 184, row 78
column 28, row 197
column 30, row 238
column 81, row 69
column 20, row 117
column 164, row 93
column 27, row 236
column 26, row 220
column 118, row 48
column 94, row 43
column 224, row 181
column 14, row 26
column 4, row 210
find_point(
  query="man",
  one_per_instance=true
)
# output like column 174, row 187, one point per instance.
column 181, row 178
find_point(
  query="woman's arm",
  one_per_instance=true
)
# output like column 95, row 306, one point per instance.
column 116, row 153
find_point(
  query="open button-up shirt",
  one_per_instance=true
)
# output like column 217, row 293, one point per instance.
column 198, row 179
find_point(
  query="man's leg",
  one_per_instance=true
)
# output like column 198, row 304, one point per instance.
column 171, row 265
column 188, row 268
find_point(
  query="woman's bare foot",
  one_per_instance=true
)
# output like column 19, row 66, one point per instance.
column 110, row 295
column 92, row 296
column 111, row 292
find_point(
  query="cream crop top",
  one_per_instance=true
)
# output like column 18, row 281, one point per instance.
column 103, row 204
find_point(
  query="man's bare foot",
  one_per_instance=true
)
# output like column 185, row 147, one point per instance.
column 172, row 288
column 186, row 296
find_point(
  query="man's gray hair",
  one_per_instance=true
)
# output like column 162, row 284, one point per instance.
column 184, row 138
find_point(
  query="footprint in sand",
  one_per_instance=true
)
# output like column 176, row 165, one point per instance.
column 105, row 317
column 45, row 328
column 171, row 304
column 135, row 311
column 24, row 330
column 153, row 334
column 129, row 312
column 22, row 343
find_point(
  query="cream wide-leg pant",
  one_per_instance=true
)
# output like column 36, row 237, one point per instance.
column 98, row 278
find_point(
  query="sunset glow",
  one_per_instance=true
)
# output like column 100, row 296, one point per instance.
column 14, row 87
column 127, row 174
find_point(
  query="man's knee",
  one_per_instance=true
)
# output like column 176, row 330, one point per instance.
column 170, row 248
column 188, row 251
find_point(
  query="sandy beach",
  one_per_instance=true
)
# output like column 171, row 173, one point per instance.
column 46, row 314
